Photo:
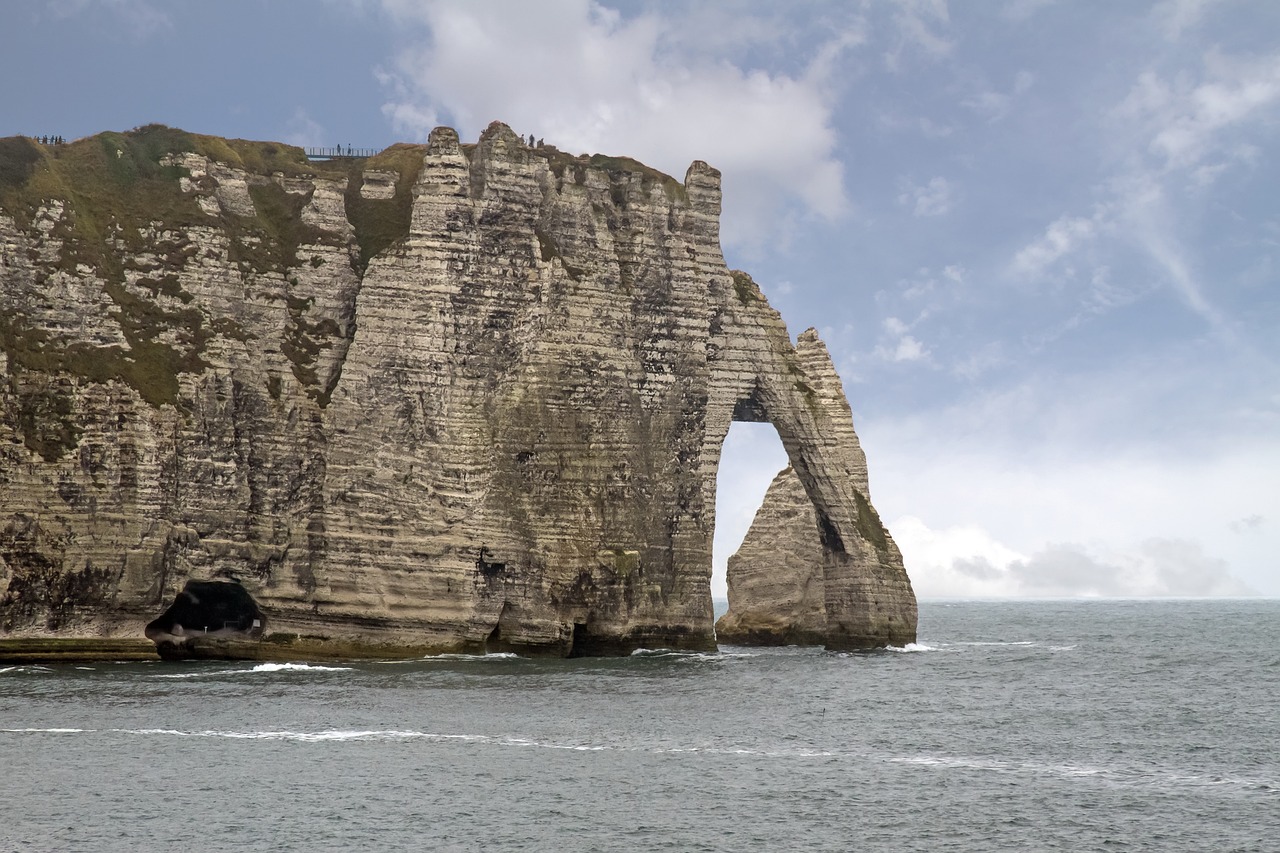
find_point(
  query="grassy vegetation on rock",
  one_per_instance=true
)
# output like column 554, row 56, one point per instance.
column 122, row 200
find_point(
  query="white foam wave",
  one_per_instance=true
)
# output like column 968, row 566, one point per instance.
column 30, row 667
column 364, row 735
column 262, row 667
column 913, row 647
column 456, row 656
column 299, row 667
column 694, row 657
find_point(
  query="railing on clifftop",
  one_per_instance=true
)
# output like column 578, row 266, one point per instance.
column 342, row 151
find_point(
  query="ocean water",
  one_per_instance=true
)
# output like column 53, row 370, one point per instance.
column 1120, row 725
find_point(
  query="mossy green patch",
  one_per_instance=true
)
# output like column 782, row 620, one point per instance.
column 745, row 287
column 45, row 419
column 270, row 240
column 619, row 170
column 674, row 190
column 113, row 189
column 151, row 366
column 302, row 343
column 548, row 249
column 380, row 222
column 870, row 528
column 18, row 158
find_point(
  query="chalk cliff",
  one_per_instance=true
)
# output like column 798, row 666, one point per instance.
column 450, row 397
column 777, row 579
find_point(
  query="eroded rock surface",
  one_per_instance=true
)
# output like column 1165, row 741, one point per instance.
column 783, row 587
column 776, row 589
column 446, row 397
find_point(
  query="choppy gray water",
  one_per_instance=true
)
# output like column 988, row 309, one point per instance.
column 1011, row 726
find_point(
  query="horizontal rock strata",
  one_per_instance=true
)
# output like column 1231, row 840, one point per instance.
column 784, row 588
column 450, row 397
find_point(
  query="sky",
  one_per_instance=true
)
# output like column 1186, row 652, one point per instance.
column 1041, row 238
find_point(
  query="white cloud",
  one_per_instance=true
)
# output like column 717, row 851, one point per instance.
column 968, row 562
column 909, row 349
column 1185, row 123
column 900, row 346
column 931, row 199
column 1069, row 461
column 1063, row 237
column 1173, row 136
column 587, row 80
column 963, row 561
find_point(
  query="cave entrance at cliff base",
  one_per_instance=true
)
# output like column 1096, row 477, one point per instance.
column 751, row 456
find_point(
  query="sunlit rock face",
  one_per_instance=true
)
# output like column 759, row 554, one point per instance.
column 446, row 398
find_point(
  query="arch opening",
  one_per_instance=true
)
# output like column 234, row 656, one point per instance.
column 751, row 456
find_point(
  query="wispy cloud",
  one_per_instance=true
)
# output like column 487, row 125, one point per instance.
column 1184, row 123
column 1174, row 134
column 898, row 344
column 1063, row 238
column 1247, row 524
column 921, row 27
column 303, row 130
column 1174, row 17
column 931, row 199
column 141, row 18
column 995, row 105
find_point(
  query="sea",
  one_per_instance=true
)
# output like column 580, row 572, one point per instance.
column 1027, row 725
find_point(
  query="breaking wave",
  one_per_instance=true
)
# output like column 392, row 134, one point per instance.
column 21, row 668
column 262, row 667
column 489, row 656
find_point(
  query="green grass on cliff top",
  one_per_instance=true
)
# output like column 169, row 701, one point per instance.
column 113, row 186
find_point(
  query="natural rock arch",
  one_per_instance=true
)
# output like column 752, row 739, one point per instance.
column 493, row 400
column 867, row 598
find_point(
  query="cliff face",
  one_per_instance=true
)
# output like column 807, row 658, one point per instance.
column 446, row 398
